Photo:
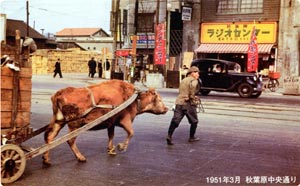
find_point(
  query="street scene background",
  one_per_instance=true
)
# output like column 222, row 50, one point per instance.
column 243, row 142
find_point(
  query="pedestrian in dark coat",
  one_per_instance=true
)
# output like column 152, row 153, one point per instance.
column 92, row 67
column 57, row 69
column 107, row 65
column 100, row 68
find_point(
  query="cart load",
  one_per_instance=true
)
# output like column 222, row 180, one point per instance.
column 15, row 107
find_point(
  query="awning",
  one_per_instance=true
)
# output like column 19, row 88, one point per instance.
column 232, row 48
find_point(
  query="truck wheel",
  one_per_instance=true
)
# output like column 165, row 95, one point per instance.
column 245, row 90
column 13, row 163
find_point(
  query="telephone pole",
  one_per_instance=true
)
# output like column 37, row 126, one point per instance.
column 115, row 8
column 27, row 17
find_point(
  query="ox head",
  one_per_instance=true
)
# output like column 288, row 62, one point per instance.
column 150, row 101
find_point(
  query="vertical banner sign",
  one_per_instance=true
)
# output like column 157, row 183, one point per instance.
column 252, row 63
column 133, row 50
column 160, row 45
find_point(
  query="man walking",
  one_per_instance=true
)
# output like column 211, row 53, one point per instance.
column 100, row 68
column 186, row 105
column 57, row 69
column 92, row 67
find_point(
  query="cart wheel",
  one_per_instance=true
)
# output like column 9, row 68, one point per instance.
column 13, row 162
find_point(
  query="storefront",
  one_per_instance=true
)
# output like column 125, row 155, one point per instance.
column 122, row 64
column 230, row 41
column 145, row 44
column 136, row 56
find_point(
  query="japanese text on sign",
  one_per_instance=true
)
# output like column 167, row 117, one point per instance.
column 237, row 32
column 186, row 13
column 144, row 40
column 252, row 63
column 160, row 45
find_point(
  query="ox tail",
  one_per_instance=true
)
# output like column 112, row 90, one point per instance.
column 56, row 112
column 56, row 108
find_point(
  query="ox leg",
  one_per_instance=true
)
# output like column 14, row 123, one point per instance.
column 73, row 146
column 50, row 134
column 111, row 148
column 127, row 125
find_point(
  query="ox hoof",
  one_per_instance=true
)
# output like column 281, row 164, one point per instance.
column 111, row 151
column 122, row 147
column 82, row 160
column 46, row 163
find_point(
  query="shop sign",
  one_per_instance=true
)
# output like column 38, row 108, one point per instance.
column 122, row 53
column 238, row 32
column 291, row 85
column 160, row 45
column 143, row 40
column 186, row 13
column 252, row 61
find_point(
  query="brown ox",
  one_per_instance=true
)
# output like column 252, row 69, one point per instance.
column 70, row 106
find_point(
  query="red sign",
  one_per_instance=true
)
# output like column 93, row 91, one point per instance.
column 123, row 53
column 160, row 45
column 252, row 63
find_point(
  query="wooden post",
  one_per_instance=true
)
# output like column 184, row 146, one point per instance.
column 15, row 90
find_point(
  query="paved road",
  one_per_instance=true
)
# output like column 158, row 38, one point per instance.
column 242, row 143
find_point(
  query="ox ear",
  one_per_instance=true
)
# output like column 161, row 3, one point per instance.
column 152, row 91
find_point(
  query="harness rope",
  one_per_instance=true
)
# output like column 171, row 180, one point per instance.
column 199, row 106
column 104, row 106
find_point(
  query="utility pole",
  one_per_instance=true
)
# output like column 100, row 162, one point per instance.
column 42, row 31
column 27, row 16
column 157, row 11
column 136, row 13
column 116, row 23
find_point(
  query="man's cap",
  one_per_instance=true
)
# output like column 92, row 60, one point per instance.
column 193, row 69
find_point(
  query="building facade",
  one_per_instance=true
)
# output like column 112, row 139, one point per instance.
column 139, row 18
column 216, row 29
column 226, row 27
column 277, row 27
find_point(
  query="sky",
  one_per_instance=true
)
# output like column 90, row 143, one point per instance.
column 55, row 15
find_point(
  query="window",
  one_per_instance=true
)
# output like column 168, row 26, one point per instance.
column 145, row 22
column 251, row 6
column 239, row 6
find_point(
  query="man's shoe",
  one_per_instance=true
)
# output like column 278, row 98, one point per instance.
column 169, row 141
column 194, row 139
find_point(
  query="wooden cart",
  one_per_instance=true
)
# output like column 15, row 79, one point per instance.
column 15, row 118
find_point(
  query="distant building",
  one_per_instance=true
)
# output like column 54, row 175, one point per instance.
column 90, row 39
column 13, row 25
